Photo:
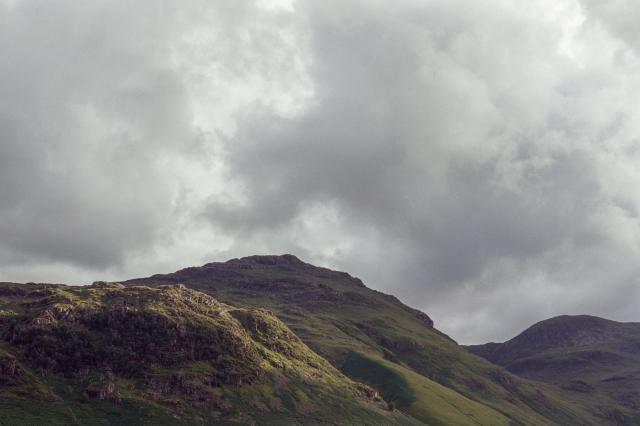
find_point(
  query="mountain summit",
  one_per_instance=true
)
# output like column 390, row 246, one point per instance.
column 583, row 353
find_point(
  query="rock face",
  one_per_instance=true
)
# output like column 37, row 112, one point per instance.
column 580, row 353
column 174, row 346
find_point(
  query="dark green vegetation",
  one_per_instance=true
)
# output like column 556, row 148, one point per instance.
column 336, row 315
column 110, row 354
column 395, row 387
column 590, row 355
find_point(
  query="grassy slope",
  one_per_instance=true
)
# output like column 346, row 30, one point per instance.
column 137, row 412
column 335, row 314
column 419, row 396
column 596, row 357
column 112, row 355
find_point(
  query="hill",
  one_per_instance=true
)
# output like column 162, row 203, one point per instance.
column 270, row 340
column 579, row 353
column 341, row 319
column 110, row 354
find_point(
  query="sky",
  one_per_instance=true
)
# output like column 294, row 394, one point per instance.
column 479, row 160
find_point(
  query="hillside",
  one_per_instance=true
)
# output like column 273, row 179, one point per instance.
column 110, row 354
column 268, row 340
column 579, row 353
column 341, row 319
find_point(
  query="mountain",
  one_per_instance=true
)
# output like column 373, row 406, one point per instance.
column 262, row 340
column 110, row 354
column 580, row 353
column 375, row 339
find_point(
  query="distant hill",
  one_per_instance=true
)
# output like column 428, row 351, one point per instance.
column 579, row 353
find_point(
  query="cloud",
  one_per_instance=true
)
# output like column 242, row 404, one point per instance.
column 466, row 148
column 104, row 127
column 476, row 159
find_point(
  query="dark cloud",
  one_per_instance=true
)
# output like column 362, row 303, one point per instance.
column 477, row 160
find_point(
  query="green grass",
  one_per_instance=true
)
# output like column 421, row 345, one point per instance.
column 26, row 413
column 393, row 385
column 420, row 397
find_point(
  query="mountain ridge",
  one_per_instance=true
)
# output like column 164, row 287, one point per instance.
column 584, row 353
column 337, row 315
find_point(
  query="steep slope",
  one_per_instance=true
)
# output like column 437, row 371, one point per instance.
column 336, row 315
column 419, row 396
column 581, row 353
column 110, row 354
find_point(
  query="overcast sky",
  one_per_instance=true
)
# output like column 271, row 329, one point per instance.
column 478, row 159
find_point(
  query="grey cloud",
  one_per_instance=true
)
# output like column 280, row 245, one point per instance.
column 466, row 139
column 618, row 17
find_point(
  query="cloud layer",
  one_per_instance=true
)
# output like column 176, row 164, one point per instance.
column 477, row 160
